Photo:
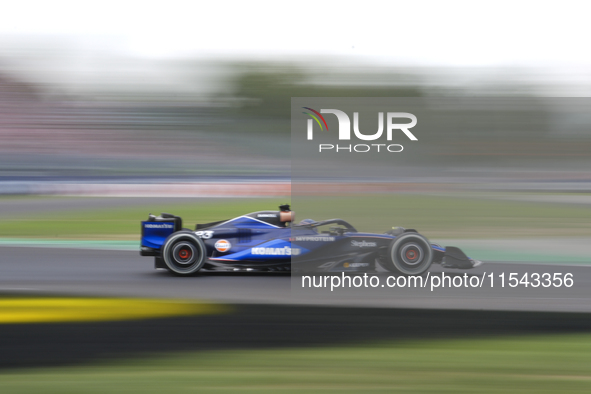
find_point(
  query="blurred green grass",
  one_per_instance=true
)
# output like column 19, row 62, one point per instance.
column 527, row 364
column 451, row 216
column 124, row 222
column 434, row 216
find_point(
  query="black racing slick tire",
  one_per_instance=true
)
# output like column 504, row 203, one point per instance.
column 409, row 254
column 183, row 253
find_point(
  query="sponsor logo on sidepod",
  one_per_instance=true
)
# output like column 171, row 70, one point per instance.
column 285, row 251
column 315, row 239
column 363, row 244
column 223, row 245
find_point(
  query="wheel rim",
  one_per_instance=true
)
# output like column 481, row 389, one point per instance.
column 411, row 254
column 184, row 254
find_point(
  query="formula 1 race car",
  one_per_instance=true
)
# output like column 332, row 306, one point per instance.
column 268, row 241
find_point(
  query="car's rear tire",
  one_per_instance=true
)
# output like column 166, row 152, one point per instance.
column 183, row 253
column 408, row 254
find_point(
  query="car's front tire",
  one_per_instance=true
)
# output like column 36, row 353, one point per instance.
column 183, row 253
column 408, row 254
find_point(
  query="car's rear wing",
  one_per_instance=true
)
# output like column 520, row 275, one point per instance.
column 155, row 230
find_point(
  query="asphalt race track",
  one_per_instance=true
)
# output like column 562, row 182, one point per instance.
column 266, row 310
column 27, row 270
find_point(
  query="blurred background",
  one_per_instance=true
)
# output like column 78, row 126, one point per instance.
column 129, row 91
column 110, row 110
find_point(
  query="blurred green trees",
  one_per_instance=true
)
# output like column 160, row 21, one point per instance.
column 266, row 90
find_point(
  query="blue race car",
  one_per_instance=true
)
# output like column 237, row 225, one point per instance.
column 268, row 241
